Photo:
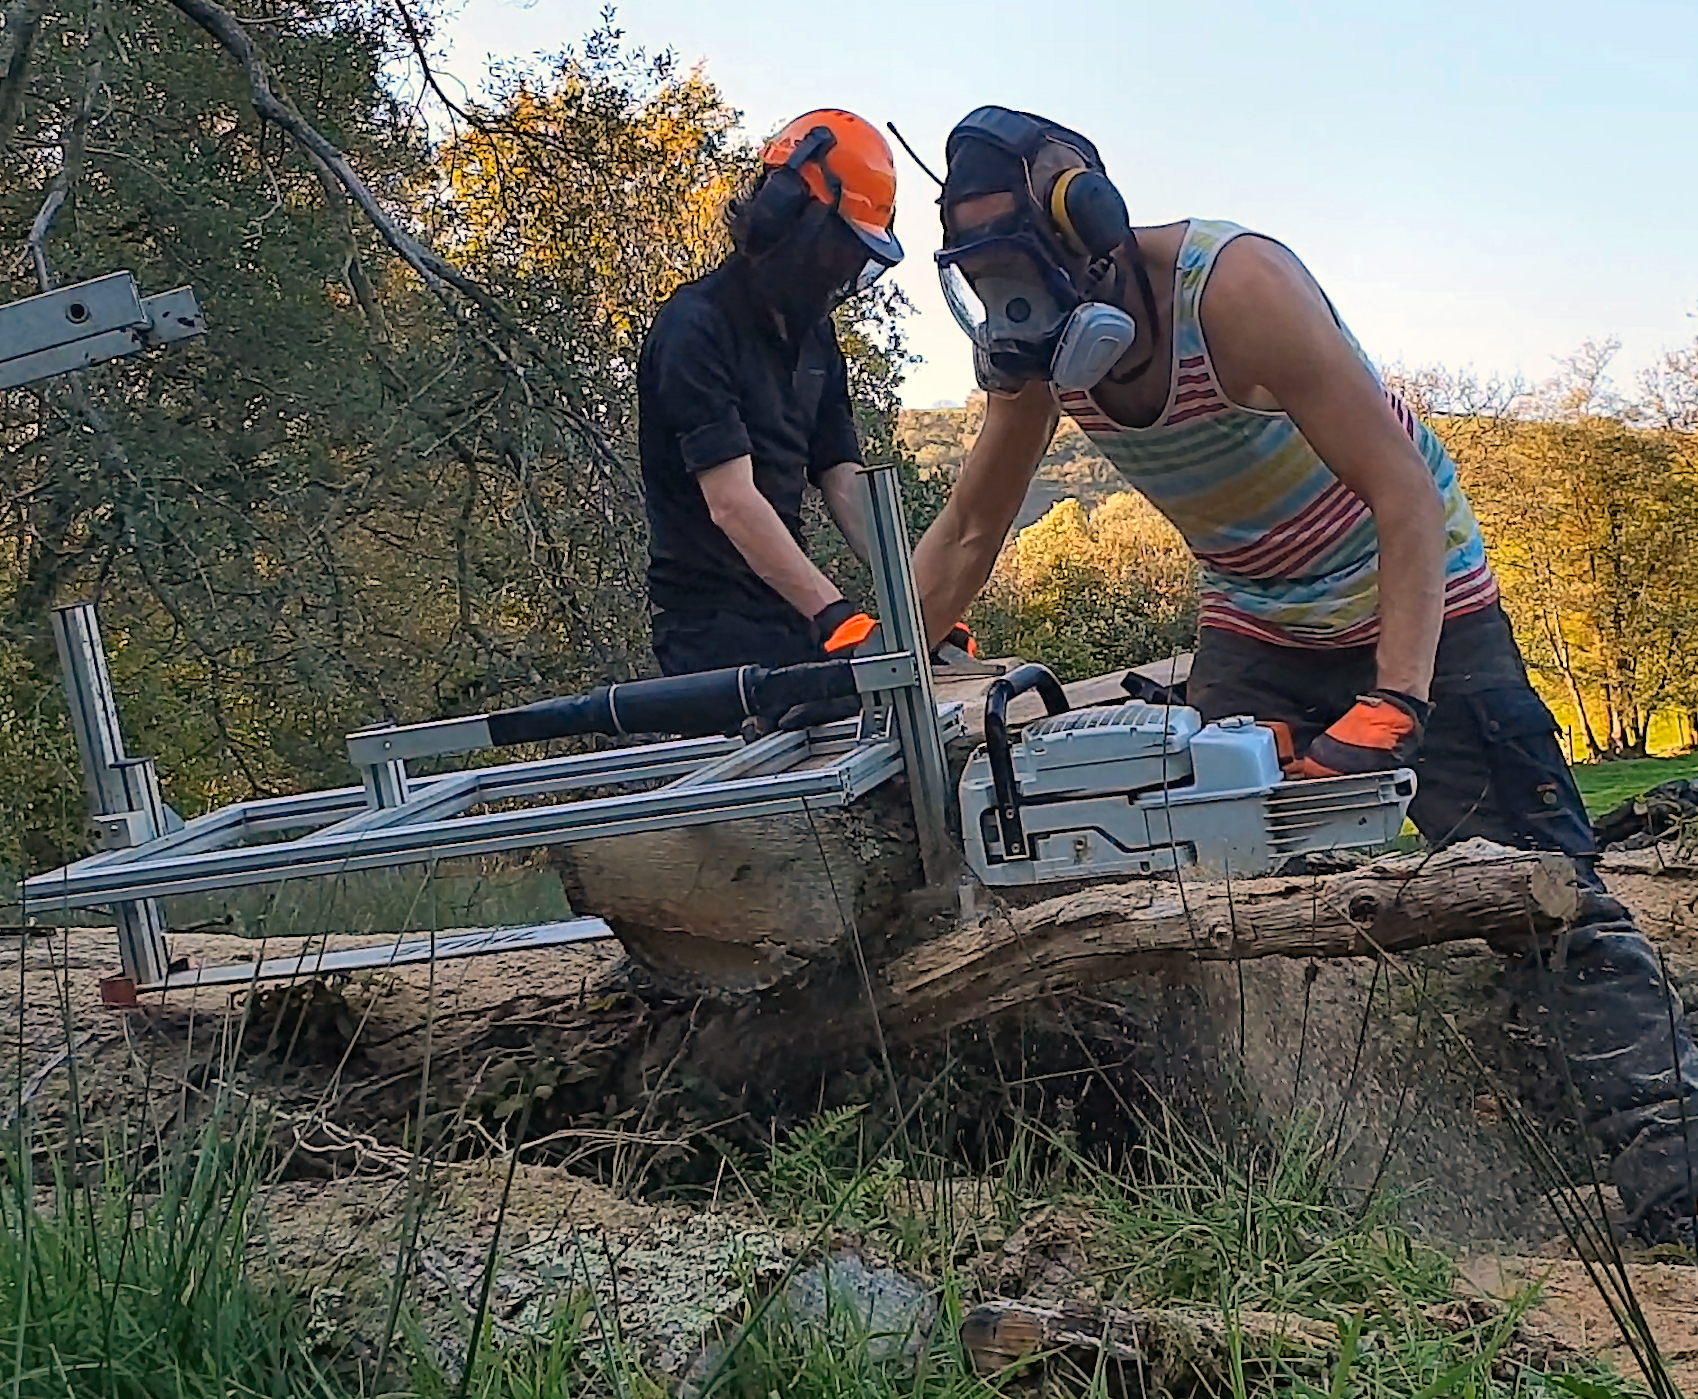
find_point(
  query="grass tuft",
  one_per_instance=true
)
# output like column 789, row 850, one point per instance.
column 106, row 1291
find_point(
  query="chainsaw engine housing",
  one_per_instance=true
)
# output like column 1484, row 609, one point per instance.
column 1140, row 789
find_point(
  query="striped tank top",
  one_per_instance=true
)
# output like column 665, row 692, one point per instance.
column 1289, row 554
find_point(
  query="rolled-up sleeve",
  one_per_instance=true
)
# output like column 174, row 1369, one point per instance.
column 696, row 383
column 835, row 439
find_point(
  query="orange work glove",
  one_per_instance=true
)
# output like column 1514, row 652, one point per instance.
column 1382, row 731
column 957, row 644
column 844, row 631
column 962, row 640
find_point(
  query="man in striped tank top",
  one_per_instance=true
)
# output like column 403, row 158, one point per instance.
column 1345, row 586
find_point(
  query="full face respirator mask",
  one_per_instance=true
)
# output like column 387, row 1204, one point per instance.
column 1036, row 285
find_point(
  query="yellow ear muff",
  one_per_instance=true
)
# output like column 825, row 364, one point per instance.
column 1058, row 207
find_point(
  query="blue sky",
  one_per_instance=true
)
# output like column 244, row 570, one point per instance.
column 1480, row 185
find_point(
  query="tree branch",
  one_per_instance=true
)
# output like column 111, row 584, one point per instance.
column 416, row 41
column 72, row 150
column 438, row 274
column 1473, row 890
column 17, row 48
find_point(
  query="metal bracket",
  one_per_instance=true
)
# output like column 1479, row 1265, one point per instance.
column 76, row 327
column 123, row 794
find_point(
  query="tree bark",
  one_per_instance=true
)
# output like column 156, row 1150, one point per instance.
column 17, row 49
column 1149, row 1350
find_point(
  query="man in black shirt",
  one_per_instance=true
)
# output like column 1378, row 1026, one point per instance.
column 744, row 400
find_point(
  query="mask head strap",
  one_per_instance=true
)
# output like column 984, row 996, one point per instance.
column 813, row 148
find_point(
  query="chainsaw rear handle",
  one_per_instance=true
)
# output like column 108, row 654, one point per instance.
column 1016, row 682
column 691, row 706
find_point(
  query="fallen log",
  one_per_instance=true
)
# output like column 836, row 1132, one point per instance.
column 1015, row 956
column 1098, row 937
column 1134, row 1351
column 1149, row 1350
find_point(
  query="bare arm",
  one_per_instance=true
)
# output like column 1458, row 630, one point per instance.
column 843, row 499
column 750, row 523
column 956, row 555
column 1272, row 333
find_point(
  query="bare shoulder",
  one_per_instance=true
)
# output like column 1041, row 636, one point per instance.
column 1254, row 277
column 1266, row 319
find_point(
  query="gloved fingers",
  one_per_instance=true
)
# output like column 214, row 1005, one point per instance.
column 842, row 629
column 1379, row 733
column 1373, row 723
column 858, row 635
column 1327, row 757
column 1306, row 768
column 962, row 640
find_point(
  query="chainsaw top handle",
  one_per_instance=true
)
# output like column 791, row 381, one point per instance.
column 1016, row 682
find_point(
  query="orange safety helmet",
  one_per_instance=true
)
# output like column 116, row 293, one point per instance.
column 850, row 168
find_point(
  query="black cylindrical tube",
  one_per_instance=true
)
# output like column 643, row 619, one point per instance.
column 689, row 706
column 692, row 706
column 552, row 718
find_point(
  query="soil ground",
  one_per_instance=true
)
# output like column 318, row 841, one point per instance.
column 564, row 1046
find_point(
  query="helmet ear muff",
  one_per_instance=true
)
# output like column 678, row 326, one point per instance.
column 1089, row 213
column 782, row 199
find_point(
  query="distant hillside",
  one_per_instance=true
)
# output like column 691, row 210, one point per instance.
column 940, row 437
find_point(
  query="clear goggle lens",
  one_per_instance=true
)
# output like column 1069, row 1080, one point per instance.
column 964, row 303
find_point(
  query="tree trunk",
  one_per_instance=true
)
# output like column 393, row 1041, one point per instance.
column 1559, row 649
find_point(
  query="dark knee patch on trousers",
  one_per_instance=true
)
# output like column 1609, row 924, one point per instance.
column 686, row 643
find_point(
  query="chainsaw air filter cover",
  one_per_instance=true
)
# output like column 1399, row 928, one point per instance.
column 1137, row 789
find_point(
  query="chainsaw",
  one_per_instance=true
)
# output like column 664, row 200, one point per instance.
column 1122, row 789
column 1143, row 788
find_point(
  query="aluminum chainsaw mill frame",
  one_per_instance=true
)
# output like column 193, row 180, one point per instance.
column 396, row 818
column 77, row 327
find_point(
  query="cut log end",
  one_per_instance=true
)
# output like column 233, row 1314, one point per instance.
column 732, row 909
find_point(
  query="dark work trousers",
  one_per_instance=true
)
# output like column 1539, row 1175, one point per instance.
column 1490, row 766
column 688, row 642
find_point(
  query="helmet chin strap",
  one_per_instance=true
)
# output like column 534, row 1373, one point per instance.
column 1147, row 294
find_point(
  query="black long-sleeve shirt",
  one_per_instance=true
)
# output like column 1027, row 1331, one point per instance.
column 716, row 381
